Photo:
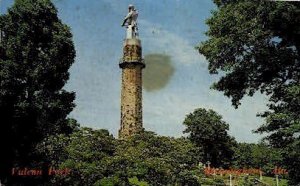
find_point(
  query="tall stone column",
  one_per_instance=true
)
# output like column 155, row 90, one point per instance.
column 131, row 93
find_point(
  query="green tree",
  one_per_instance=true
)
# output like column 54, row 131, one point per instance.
column 256, row 46
column 96, row 158
column 250, row 155
column 158, row 160
column 85, row 152
column 36, row 53
column 292, row 162
column 209, row 132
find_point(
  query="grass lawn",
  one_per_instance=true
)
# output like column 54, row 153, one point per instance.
column 243, row 181
column 272, row 181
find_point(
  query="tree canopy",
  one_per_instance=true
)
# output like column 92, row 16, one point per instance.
column 259, row 156
column 36, row 52
column 209, row 132
column 256, row 46
column 256, row 43
column 96, row 158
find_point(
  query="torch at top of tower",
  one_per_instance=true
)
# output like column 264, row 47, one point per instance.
column 130, row 21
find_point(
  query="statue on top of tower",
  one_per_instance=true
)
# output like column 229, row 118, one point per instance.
column 131, row 22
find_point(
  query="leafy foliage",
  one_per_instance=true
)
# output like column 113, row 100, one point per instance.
column 256, row 45
column 209, row 132
column 292, row 161
column 283, row 121
column 36, row 51
column 96, row 158
column 259, row 156
column 84, row 152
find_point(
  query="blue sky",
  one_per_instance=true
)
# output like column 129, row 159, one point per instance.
column 168, row 27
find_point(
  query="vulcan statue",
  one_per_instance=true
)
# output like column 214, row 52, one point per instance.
column 130, row 21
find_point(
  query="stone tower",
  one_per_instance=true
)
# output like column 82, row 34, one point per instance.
column 131, row 94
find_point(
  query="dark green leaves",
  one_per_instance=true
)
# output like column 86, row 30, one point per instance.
column 36, row 51
column 208, row 131
column 96, row 158
column 256, row 46
column 247, row 42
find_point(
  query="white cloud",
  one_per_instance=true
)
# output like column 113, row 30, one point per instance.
column 155, row 39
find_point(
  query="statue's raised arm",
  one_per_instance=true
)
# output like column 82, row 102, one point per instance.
column 131, row 22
